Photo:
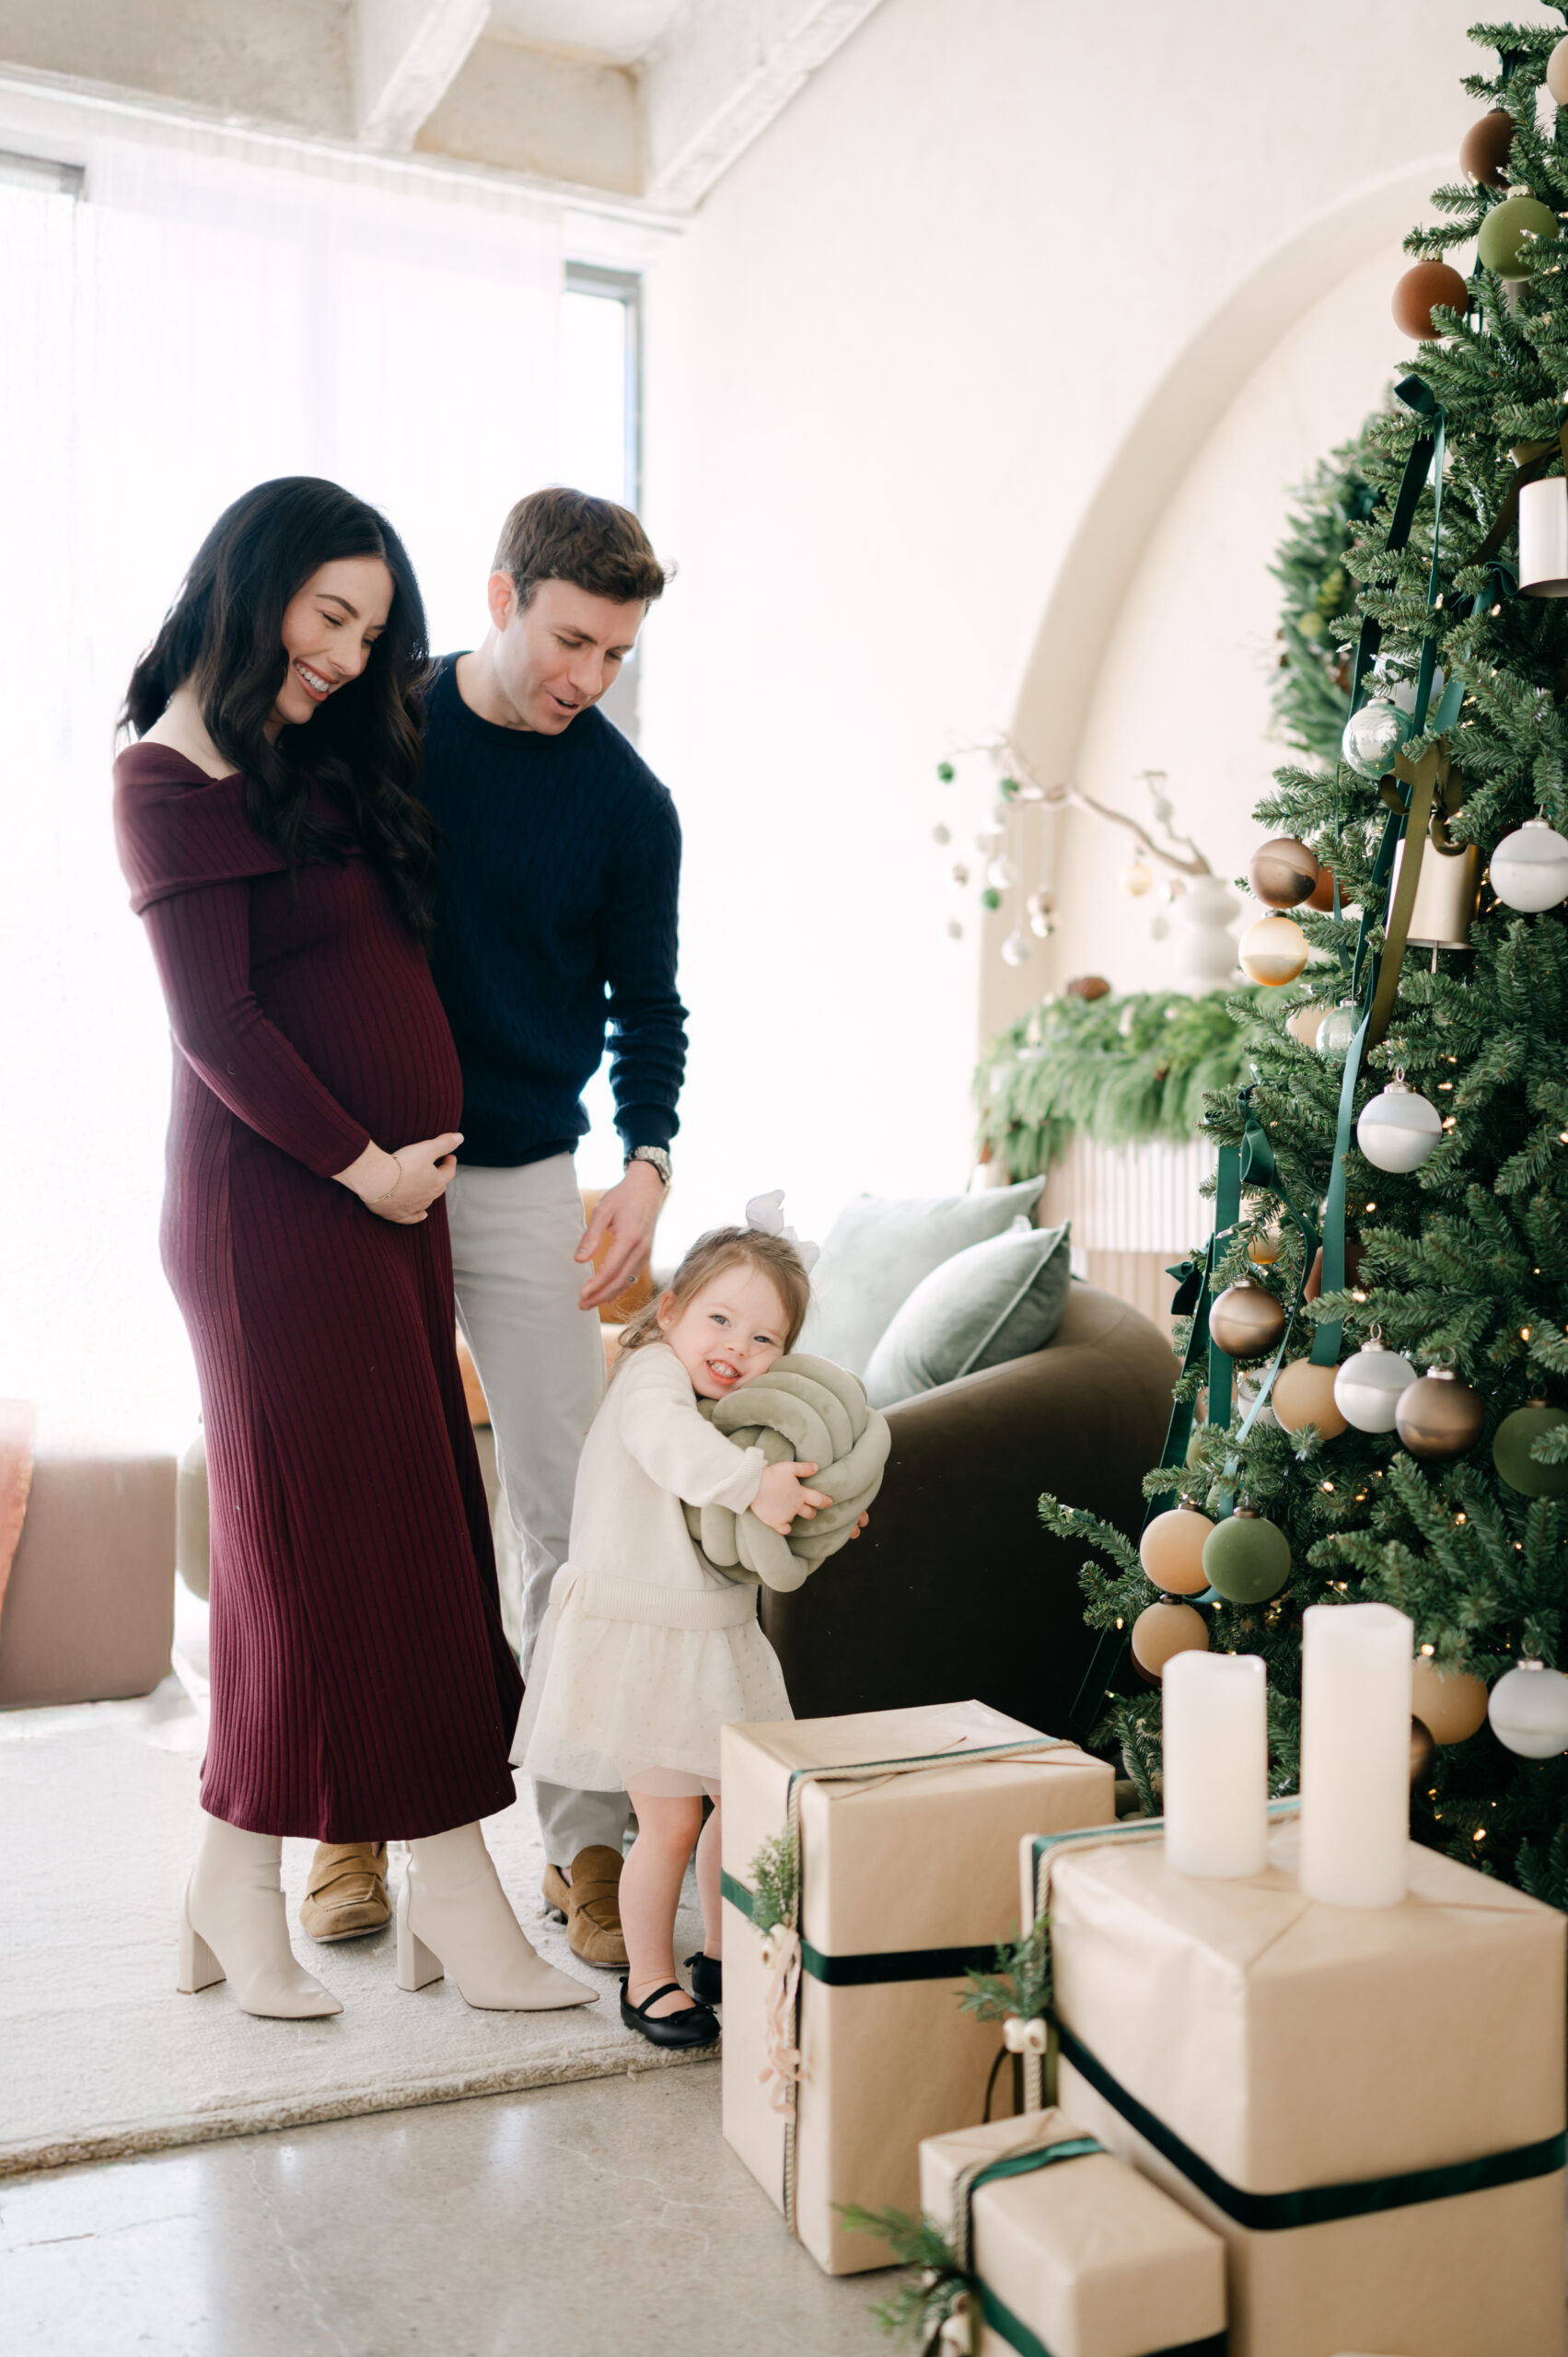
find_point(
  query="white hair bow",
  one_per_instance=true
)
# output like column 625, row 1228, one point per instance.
column 766, row 1212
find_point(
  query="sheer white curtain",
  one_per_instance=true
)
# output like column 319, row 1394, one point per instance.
column 191, row 327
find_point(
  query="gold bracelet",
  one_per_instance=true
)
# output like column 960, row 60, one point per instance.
column 392, row 1188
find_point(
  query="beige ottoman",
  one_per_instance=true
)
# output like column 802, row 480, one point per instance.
column 89, row 1611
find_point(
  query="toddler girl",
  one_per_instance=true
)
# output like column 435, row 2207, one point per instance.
column 647, row 1650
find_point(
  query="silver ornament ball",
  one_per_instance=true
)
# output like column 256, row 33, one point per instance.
column 1015, row 950
column 1373, row 735
column 1336, row 1032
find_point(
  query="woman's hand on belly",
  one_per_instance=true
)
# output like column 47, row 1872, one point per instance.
column 402, row 1186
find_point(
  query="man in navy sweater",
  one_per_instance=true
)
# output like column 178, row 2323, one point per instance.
column 559, row 868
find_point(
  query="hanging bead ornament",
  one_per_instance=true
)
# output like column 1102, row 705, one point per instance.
column 1163, row 1629
column 1274, row 950
column 1528, row 1710
column 1367, row 1388
column 1284, row 873
column 1016, row 950
column 1137, row 879
column 1398, row 1128
column 1450, row 1702
column 1337, row 1030
column 954, row 930
column 1246, row 1558
column 960, row 873
column 941, row 833
column 1171, row 1549
column 1439, row 1415
column 1000, row 873
column 1039, row 907
column 1247, row 1320
column 1373, row 735
column 1513, row 235
column 1510, row 1451
column 1529, row 868
column 1303, row 1394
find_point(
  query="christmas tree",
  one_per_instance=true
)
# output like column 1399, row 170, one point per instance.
column 1366, row 1235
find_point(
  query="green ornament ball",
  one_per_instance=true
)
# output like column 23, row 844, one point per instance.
column 1511, row 1452
column 1246, row 1558
column 1511, row 234
column 990, row 897
column 946, row 773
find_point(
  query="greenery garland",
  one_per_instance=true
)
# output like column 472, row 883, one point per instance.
column 1121, row 1070
column 1312, row 566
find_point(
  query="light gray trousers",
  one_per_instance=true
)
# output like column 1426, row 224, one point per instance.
column 542, row 1361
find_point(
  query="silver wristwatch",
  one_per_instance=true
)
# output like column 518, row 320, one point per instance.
column 653, row 1153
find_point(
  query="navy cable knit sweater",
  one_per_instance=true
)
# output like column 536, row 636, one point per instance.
column 555, row 918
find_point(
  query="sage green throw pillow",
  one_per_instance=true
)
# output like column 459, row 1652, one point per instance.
column 878, row 1250
column 996, row 1301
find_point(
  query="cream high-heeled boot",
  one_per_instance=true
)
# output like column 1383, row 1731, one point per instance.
column 235, row 1927
column 453, row 1914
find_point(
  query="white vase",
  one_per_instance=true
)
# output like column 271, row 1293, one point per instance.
column 1206, row 948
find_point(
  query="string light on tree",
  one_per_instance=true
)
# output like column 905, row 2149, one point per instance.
column 1529, row 868
column 1398, row 1128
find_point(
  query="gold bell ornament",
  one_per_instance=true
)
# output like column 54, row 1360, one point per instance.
column 1447, row 891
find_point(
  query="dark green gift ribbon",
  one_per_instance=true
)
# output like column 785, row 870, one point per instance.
column 1314, row 2206
column 860, row 1971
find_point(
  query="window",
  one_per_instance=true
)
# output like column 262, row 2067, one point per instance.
column 599, row 422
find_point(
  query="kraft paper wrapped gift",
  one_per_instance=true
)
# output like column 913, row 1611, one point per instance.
column 1366, row 2103
column 1068, row 2249
column 908, row 1823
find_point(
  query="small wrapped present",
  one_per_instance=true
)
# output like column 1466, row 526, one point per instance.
column 887, row 1841
column 1061, row 2247
column 1368, row 2103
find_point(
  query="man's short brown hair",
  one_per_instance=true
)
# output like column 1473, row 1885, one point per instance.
column 561, row 535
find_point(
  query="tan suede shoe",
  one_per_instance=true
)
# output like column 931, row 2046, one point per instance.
column 590, row 1906
column 347, row 1896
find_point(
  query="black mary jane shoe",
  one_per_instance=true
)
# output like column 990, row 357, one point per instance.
column 707, row 1978
column 695, row 2026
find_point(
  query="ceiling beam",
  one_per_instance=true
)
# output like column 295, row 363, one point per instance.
column 406, row 54
column 719, row 77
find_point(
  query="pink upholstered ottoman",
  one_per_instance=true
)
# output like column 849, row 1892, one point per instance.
column 88, row 1610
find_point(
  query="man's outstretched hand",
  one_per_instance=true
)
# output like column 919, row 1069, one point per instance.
column 625, row 1218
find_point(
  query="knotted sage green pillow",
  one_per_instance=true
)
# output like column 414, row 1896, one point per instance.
column 995, row 1300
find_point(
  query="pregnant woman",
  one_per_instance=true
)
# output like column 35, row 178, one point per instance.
column 268, row 825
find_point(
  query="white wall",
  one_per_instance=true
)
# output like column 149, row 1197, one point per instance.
column 889, row 367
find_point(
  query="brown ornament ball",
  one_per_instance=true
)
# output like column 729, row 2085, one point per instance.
column 1322, row 893
column 1420, row 290
column 1484, row 149
column 1303, row 1394
column 1089, row 986
column 1303, row 1024
column 1439, row 1415
column 1451, row 1702
column 1314, row 1287
column 1283, row 873
column 1163, row 1629
column 1422, row 1751
column 1171, row 1550
column 1247, row 1321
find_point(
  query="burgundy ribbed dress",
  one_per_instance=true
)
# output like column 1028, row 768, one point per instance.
column 360, row 1685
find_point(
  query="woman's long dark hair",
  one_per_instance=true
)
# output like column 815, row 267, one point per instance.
column 224, row 633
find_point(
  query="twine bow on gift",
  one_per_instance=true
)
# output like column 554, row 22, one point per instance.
column 959, row 2330
column 803, row 1411
column 780, row 2072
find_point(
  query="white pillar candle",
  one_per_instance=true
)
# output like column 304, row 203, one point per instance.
column 1355, row 1752
column 1215, row 1745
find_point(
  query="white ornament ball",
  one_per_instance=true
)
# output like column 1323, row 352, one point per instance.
column 1274, row 951
column 1528, row 1711
column 1529, row 868
column 1557, row 72
column 1373, row 735
column 999, row 873
column 1368, row 1386
column 1015, row 950
column 1404, row 694
column 1398, row 1128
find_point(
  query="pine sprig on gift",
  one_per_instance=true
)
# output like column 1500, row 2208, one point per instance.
column 919, row 2308
column 1019, row 1982
column 775, row 1881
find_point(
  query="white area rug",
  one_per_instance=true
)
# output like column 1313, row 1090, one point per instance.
column 99, row 2056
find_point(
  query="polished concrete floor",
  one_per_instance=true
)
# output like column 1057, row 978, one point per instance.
column 579, row 2221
